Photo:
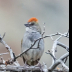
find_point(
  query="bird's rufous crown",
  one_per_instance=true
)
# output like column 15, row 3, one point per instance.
column 33, row 19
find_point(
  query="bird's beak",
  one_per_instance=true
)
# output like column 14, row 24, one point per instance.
column 27, row 25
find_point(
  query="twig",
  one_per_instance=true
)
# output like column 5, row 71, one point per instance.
column 3, row 54
column 9, row 49
column 2, row 61
column 51, row 55
column 63, row 45
column 66, row 67
column 54, row 48
column 43, row 29
column 57, row 62
column 53, row 51
column 65, row 60
column 44, row 67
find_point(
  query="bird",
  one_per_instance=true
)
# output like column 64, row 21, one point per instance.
column 33, row 32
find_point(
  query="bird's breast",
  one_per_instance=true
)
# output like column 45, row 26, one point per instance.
column 28, row 40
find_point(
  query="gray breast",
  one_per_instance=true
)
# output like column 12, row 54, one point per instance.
column 34, row 36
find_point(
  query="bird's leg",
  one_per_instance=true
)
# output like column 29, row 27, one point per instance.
column 25, row 65
column 38, row 65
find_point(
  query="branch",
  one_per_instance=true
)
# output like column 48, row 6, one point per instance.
column 63, row 45
column 66, row 67
column 9, row 49
column 6, row 46
column 54, row 48
column 2, row 61
column 20, row 68
column 51, row 55
column 3, row 54
column 43, row 29
column 57, row 62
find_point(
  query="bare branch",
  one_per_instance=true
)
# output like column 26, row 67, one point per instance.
column 53, row 50
column 64, row 56
column 51, row 55
column 15, row 66
column 65, row 60
column 20, row 68
column 66, row 67
column 2, row 61
column 44, row 67
column 9, row 49
column 63, row 45
column 43, row 29
column 57, row 62
column 3, row 54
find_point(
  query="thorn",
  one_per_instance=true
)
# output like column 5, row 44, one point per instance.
column 4, row 35
column 48, row 50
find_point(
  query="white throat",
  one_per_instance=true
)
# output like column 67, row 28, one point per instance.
column 29, row 30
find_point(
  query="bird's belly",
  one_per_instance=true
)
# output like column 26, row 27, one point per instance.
column 33, row 54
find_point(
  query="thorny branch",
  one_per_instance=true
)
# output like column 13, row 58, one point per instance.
column 55, row 61
column 59, row 61
column 10, row 50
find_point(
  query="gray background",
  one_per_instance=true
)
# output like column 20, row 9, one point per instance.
column 14, row 13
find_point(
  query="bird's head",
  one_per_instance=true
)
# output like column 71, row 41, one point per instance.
column 33, row 25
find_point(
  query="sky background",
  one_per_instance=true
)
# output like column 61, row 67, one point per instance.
column 15, row 13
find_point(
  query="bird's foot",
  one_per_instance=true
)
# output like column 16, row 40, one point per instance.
column 25, row 65
column 40, row 66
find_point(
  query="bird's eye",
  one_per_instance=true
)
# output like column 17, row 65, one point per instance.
column 32, row 23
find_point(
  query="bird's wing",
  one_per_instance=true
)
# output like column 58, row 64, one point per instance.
column 21, row 47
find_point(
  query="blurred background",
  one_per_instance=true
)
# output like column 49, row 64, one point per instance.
column 15, row 13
